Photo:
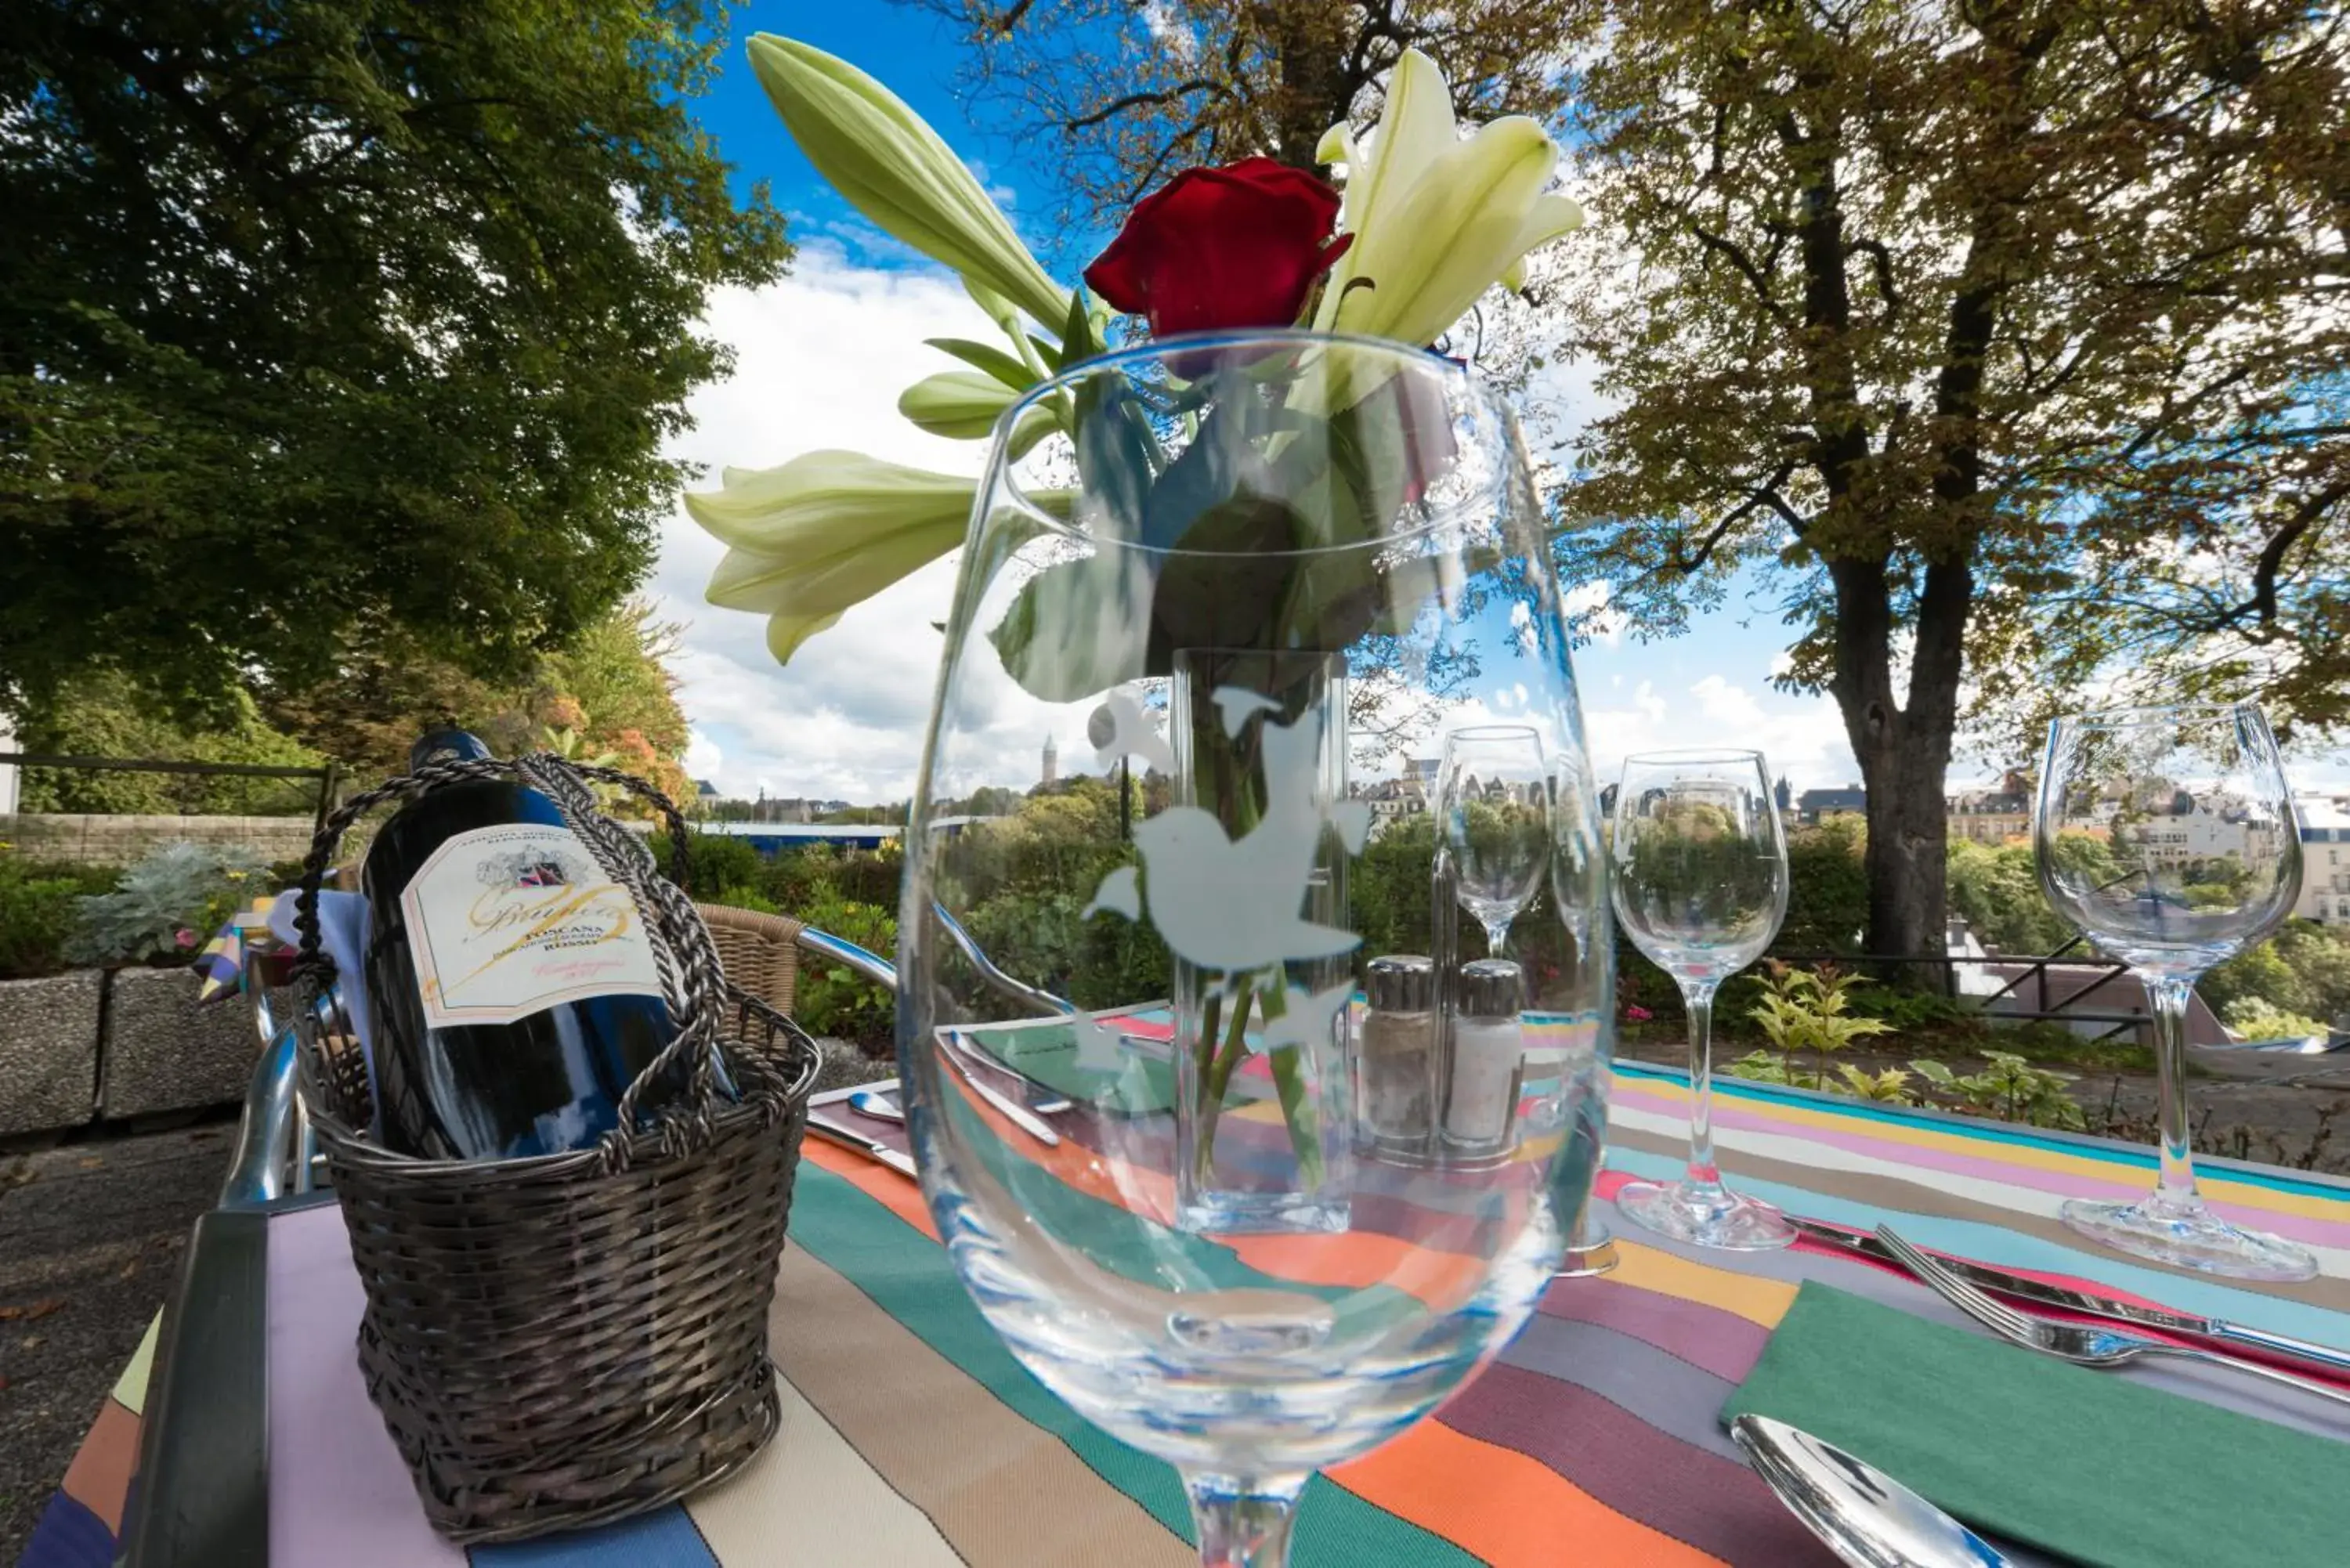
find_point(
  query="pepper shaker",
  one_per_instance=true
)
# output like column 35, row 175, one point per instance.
column 1486, row 1064
column 1399, row 1029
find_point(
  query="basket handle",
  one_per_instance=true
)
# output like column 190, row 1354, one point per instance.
column 693, row 983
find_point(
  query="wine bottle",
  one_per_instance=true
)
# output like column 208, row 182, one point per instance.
column 512, row 982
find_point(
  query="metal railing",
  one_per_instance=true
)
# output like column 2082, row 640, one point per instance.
column 329, row 777
column 2035, row 972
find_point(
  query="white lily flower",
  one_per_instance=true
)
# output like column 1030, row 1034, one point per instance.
column 1437, row 220
column 961, row 405
column 894, row 168
column 823, row 531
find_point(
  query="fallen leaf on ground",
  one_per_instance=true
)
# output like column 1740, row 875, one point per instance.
column 31, row 1342
column 31, row 1310
column 92, row 1163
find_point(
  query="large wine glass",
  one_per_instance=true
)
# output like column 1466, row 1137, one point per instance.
column 2165, row 835
column 1246, row 550
column 1700, row 886
column 1494, row 809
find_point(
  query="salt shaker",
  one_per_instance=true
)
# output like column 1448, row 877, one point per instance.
column 1393, row 1053
column 1487, row 1060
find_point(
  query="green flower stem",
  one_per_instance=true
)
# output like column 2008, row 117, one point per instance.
column 1216, row 1069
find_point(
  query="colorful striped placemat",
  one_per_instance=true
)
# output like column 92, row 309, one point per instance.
column 911, row 1436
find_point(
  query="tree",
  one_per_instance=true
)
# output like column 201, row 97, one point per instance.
column 611, row 690
column 320, row 321
column 1952, row 320
column 102, row 713
column 1133, row 94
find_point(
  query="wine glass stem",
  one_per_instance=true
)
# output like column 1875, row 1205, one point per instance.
column 1697, row 999
column 2169, row 995
column 1243, row 1523
column 1496, row 933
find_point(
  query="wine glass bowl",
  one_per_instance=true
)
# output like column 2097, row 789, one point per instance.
column 1493, row 807
column 1202, row 1263
column 1699, row 885
column 2165, row 835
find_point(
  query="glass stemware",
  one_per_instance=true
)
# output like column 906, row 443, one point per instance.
column 1254, row 537
column 2165, row 835
column 1700, row 880
column 1493, row 805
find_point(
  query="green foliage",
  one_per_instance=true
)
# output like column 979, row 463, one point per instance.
column 166, row 906
column 838, row 1002
column 2304, row 969
column 720, row 868
column 2257, row 1020
column 331, row 320
column 104, row 713
column 1998, row 892
column 1387, row 886
column 1808, row 1013
column 1886, row 1084
column 2010, row 1088
column 40, row 912
column 1827, row 889
column 1903, row 343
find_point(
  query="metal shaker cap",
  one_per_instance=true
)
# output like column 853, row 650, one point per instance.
column 1490, row 988
column 1401, row 982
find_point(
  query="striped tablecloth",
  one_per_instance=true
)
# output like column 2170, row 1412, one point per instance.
column 911, row 1436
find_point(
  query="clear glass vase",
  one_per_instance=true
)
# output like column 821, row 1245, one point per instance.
column 1242, row 589
column 1258, row 736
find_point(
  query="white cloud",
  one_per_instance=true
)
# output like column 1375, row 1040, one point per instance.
column 1802, row 738
column 820, row 358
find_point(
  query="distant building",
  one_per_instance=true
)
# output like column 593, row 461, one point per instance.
column 1993, row 816
column 1052, row 761
column 1391, row 800
column 2324, row 858
column 704, row 791
column 1784, row 796
column 1814, row 807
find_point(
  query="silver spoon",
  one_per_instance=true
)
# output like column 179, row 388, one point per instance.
column 865, row 1103
column 1867, row 1518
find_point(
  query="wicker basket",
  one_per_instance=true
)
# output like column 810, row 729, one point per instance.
column 571, row 1339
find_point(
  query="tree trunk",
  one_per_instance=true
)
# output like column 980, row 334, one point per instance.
column 1903, row 749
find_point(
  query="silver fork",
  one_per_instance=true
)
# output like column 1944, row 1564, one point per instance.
column 2079, row 1343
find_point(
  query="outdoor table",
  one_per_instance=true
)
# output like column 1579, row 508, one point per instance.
column 910, row 1437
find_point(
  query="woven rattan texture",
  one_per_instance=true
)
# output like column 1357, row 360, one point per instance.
column 571, row 1339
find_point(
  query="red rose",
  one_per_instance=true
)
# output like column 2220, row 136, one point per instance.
column 1222, row 249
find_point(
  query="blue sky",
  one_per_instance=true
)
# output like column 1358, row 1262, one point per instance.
column 821, row 359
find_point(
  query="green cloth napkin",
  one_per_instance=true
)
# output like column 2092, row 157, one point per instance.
column 2085, row 1464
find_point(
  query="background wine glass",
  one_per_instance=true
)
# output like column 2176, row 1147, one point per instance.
column 1493, row 803
column 1164, row 1267
column 1700, row 882
column 2165, row 835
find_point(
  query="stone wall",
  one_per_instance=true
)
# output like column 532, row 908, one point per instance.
column 104, row 840
column 100, row 1045
column 49, row 1051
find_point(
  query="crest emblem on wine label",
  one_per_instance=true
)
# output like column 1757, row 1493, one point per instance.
column 507, row 921
column 540, row 868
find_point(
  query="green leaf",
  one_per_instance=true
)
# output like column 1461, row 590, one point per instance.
column 1004, row 367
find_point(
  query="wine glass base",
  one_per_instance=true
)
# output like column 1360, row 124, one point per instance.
column 1710, row 1216
column 2192, row 1238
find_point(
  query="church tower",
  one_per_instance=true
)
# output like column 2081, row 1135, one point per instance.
column 1052, row 761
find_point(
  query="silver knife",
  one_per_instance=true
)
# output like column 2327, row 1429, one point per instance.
column 1041, row 1097
column 1014, row 1111
column 2212, row 1329
column 1018, row 1115
column 871, row 1147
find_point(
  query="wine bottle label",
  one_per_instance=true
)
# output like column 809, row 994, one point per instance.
column 504, row 921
